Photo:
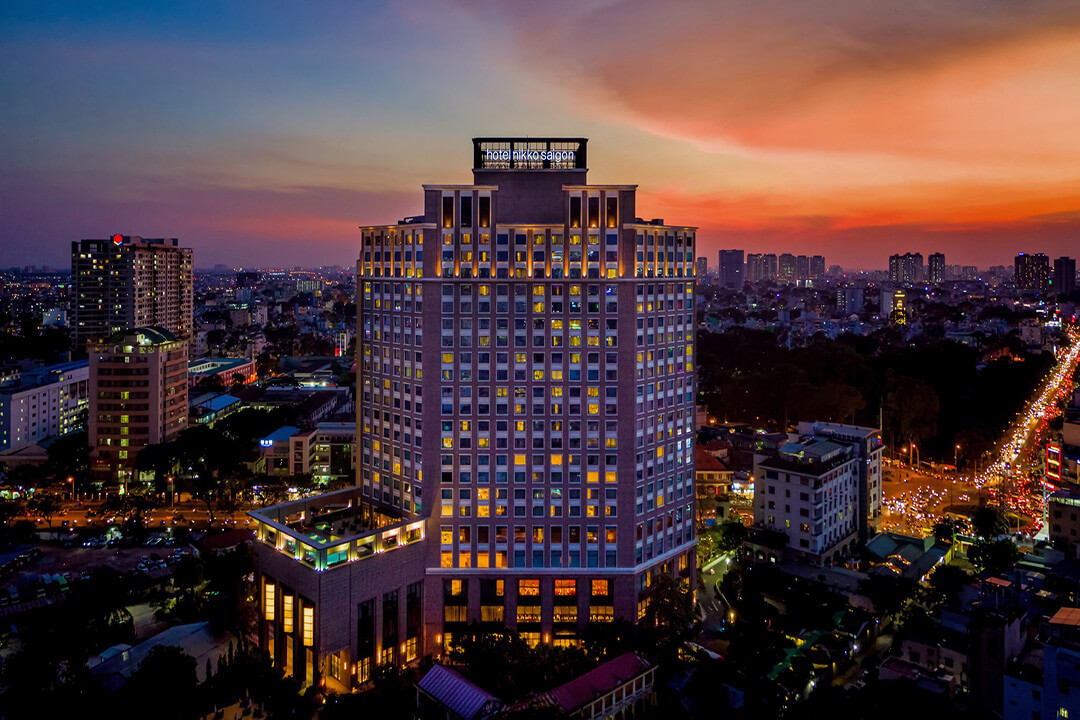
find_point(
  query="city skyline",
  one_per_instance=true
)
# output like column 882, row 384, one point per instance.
column 266, row 131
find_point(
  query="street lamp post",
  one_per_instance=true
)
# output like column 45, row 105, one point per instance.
column 71, row 479
column 956, row 458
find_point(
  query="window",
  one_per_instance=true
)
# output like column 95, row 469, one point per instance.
column 268, row 600
column 309, row 626
column 287, row 613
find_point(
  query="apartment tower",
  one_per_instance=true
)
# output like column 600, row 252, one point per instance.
column 139, row 397
column 125, row 282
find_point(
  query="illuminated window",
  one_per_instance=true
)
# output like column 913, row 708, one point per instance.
column 268, row 601
column 309, row 626
column 529, row 588
column 601, row 588
column 565, row 588
column 287, row 613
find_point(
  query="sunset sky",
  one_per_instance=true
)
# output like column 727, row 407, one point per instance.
column 263, row 132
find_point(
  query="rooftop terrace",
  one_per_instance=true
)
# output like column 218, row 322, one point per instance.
column 333, row 529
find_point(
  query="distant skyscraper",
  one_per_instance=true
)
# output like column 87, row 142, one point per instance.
column 755, row 267
column 786, row 268
column 702, row 268
column 126, row 282
column 817, row 267
column 906, row 268
column 730, row 268
column 1064, row 275
column 772, row 271
column 802, row 268
column 936, row 268
column 1032, row 272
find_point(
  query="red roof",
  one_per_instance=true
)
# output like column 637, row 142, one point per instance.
column 704, row 461
column 599, row 681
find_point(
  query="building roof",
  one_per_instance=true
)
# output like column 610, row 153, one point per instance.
column 457, row 694
column 153, row 335
column 1066, row 616
column 599, row 681
column 226, row 539
column 196, row 639
column 218, row 402
column 706, row 462
column 282, row 433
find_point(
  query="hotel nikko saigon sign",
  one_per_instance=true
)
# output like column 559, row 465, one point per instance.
column 529, row 153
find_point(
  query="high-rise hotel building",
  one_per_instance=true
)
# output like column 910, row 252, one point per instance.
column 525, row 376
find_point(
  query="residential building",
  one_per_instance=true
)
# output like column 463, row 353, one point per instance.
column 138, row 397
column 907, row 268
column 126, row 282
column 771, row 267
column 850, row 301
column 1064, row 276
column 702, row 268
column 1063, row 514
column 755, row 267
column 935, row 266
column 822, row 490
column 42, row 403
column 1044, row 680
column 817, row 267
column 867, row 446
column 802, row 268
column 786, row 268
column 525, row 405
column 1032, row 272
column 729, row 268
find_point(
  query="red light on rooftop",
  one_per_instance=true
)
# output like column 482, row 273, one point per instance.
column 117, row 239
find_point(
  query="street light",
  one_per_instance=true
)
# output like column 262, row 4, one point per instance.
column 956, row 458
column 71, row 479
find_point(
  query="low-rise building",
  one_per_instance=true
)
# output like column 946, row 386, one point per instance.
column 1044, row 681
column 1063, row 513
column 43, row 402
column 228, row 369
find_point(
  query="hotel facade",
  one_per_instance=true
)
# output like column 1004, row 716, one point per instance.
column 525, row 424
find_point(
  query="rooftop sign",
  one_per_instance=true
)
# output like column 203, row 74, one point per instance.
column 529, row 153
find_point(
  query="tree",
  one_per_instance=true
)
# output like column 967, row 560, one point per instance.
column 669, row 613
column 888, row 593
column 947, row 581
column 997, row 557
column 161, row 460
column 166, row 672
column 987, row 522
column 45, row 505
column 911, row 409
column 732, row 535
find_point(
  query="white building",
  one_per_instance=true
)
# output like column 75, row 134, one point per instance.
column 822, row 490
column 869, row 448
column 44, row 403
